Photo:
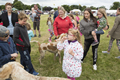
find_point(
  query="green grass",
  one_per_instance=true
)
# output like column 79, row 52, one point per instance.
column 108, row 66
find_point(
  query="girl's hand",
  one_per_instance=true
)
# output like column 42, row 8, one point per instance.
column 70, row 51
column 63, row 39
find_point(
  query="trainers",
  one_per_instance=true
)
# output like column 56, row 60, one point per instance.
column 35, row 73
column 94, row 67
column 49, row 40
column 35, row 35
column 39, row 35
column 94, row 43
column 118, row 57
column 106, row 52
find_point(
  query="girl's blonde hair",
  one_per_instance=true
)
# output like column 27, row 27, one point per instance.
column 102, row 10
column 61, row 8
column 28, row 26
column 76, row 33
column 49, row 18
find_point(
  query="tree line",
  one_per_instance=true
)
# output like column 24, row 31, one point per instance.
column 21, row 6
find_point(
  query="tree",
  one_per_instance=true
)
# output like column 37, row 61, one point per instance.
column 66, row 7
column 92, row 7
column 74, row 7
column 103, row 7
column 19, row 5
column 83, row 8
column 2, row 7
column 55, row 9
column 14, row 2
column 115, row 5
column 47, row 8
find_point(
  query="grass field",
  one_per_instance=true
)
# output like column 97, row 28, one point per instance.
column 108, row 65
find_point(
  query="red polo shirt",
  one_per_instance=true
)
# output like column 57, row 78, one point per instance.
column 62, row 25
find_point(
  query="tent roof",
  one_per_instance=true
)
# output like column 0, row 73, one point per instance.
column 76, row 10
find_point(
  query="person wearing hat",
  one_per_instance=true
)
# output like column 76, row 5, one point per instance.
column 8, row 50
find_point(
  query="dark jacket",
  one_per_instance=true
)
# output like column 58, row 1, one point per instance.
column 87, row 27
column 55, row 14
column 4, row 19
column 20, row 37
column 6, row 49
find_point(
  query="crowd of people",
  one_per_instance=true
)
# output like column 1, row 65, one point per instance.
column 16, row 33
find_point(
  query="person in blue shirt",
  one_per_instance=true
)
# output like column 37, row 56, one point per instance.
column 8, row 50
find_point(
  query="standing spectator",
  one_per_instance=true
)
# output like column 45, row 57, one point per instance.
column 22, row 42
column 30, row 34
column 77, row 18
column 9, row 18
column 36, row 22
column 50, row 26
column 62, row 23
column 114, row 34
column 73, row 21
column 56, row 13
column 87, row 25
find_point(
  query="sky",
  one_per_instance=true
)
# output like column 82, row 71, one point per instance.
column 55, row 3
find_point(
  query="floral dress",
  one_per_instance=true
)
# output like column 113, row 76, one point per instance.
column 71, row 64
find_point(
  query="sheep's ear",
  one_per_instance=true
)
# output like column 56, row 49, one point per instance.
column 6, row 70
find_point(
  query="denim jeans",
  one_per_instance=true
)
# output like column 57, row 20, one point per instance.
column 26, row 60
column 99, row 32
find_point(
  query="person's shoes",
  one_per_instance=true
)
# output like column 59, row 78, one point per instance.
column 118, row 57
column 94, row 43
column 94, row 67
column 35, row 73
column 49, row 40
column 39, row 35
column 35, row 35
column 106, row 52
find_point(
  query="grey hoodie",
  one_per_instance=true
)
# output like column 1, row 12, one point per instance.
column 87, row 27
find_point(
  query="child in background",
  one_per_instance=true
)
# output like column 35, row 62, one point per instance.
column 114, row 34
column 30, row 34
column 73, row 53
column 21, row 39
column 49, row 23
column 78, row 27
column 73, row 21
column 77, row 18
column 29, row 31
column 102, row 24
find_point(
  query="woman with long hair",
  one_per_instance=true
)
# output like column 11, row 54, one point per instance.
column 87, row 25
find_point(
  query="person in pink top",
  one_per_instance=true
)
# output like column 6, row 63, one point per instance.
column 77, row 18
column 62, row 23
